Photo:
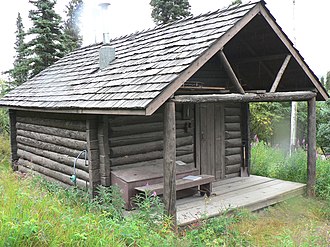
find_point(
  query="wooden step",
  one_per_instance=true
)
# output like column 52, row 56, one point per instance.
column 205, row 183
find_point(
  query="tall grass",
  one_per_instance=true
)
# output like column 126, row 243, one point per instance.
column 34, row 212
column 272, row 162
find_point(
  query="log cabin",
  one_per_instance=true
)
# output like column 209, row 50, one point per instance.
column 158, row 105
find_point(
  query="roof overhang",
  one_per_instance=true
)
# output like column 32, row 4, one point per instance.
column 137, row 112
column 199, row 62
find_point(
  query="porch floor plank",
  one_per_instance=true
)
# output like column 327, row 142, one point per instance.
column 252, row 192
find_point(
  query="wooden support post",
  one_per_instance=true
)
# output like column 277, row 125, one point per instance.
column 245, row 127
column 93, row 155
column 311, row 152
column 169, row 165
column 13, row 141
column 280, row 74
column 230, row 72
column 103, row 140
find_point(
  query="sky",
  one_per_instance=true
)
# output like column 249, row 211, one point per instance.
column 306, row 23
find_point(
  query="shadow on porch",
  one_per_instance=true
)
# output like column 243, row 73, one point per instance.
column 252, row 192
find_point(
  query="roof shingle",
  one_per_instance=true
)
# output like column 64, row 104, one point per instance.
column 146, row 63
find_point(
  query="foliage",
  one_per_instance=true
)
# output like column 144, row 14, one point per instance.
column 20, row 72
column 72, row 38
column 296, row 222
column 46, row 45
column 34, row 212
column 165, row 11
column 272, row 162
column 49, row 39
column 234, row 2
column 4, row 119
column 264, row 116
column 323, row 122
column 326, row 81
column 217, row 231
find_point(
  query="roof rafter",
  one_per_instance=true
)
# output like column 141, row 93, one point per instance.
column 280, row 74
column 232, row 76
column 270, row 20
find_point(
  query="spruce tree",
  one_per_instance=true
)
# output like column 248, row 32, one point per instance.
column 46, row 46
column 72, row 37
column 165, row 11
column 19, row 73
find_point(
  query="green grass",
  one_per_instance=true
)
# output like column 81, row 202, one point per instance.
column 271, row 162
column 34, row 212
column 295, row 222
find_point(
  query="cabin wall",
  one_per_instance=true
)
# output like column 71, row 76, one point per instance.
column 138, row 140
column 233, row 139
column 48, row 145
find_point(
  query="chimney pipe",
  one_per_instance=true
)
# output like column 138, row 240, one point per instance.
column 107, row 53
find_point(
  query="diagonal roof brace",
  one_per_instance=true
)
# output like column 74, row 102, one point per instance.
column 232, row 76
column 280, row 74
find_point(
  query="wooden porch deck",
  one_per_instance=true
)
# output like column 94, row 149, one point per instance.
column 252, row 192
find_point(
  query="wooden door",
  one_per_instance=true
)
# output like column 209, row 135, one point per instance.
column 210, row 141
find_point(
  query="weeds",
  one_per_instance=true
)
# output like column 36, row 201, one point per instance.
column 271, row 162
column 34, row 212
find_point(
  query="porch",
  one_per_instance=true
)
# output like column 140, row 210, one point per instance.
column 252, row 192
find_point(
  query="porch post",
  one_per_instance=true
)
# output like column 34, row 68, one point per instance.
column 13, row 142
column 169, row 165
column 311, row 152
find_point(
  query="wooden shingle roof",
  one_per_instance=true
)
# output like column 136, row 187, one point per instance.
column 149, row 67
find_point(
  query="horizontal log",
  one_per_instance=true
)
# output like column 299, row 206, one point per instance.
column 127, row 120
column 233, row 143
column 50, row 173
column 155, row 155
column 47, row 146
column 146, row 147
column 156, row 117
column 56, row 123
column 26, row 170
column 52, row 165
column 232, row 134
column 142, row 138
column 60, row 158
column 232, row 111
column 232, row 119
column 72, row 134
column 62, row 141
column 233, row 168
column 188, row 149
column 132, row 129
column 234, row 150
column 232, row 105
column 247, row 97
column 232, row 175
column 130, row 159
column 53, row 115
column 232, row 126
column 233, row 159
column 188, row 159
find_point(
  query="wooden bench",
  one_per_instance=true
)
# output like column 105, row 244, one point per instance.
column 203, row 181
column 129, row 178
